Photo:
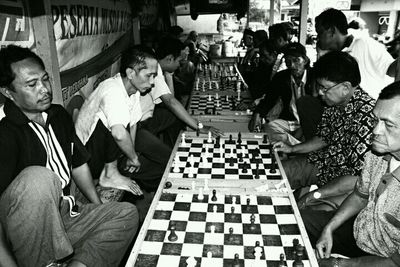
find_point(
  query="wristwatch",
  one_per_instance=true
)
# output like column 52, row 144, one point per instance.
column 317, row 195
column 336, row 262
column 199, row 125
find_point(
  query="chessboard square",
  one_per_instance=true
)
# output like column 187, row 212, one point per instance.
column 187, row 198
column 177, row 174
column 266, row 209
column 193, row 238
column 162, row 214
column 196, row 199
column 237, row 227
column 214, row 239
column 164, row 205
column 277, row 177
column 155, row 235
column 252, row 198
column 215, row 217
column 246, row 176
column 230, row 251
column 219, row 207
column 283, row 209
column 217, row 250
column 151, row 248
column 181, row 206
column 195, row 250
column 270, row 229
column 286, row 219
column 203, row 176
column 231, row 171
column 205, row 170
column 167, row 197
column 233, row 239
column 171, row 249
column 159, row 225
column 273, row 252
column 233, row 218
column 197, row 206
column 287, row 240
column 179, row 215
column 197, row 216
column 218, row 176
column 272, row 240
column 250, row 240
column 249, row 209
column 168, row 260
column 212, row 262
column 179, row 225
column 231, row 176
column 218, row 227
column 198, row 227
column 230, row 198
column 249, row 252
column 218, row 167
column 289, row 229
column 268, row 218
column 264, row 200
column 144, row 260
column 246, row 217
column 251, row 229
column 260, row 263
column 281, row 201
column 216, row 170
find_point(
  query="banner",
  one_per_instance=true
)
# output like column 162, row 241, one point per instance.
column 83, row 31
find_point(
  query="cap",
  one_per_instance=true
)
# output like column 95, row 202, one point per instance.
column 295, row 49
column 248, row 32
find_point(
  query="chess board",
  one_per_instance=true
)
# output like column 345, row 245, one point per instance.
column 225, row 85
column 223, row 227
column 210, row 105
column 248, row 160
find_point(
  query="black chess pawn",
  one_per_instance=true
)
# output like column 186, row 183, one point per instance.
column 232, row 211
column 230, row 141
column 252, row 221
column 239, row 140
column 236, row 262
column 214, row 110
column 230, row 237
column 240, row 156
column 231, row 162
column 214, row 196
column 244, row 170
column 217, row 142
column 172, row 236
column 295, row 244
column 257, row 174
column 265, row 139
column 282, row 260
column 273, row 161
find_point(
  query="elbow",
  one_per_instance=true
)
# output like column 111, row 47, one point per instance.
column 118, row 134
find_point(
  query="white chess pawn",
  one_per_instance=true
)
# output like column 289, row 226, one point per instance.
column 212, row 229
column 191, row 171
column 209, row 255
column 209, row 97
column 238, row 95
column 183, row 139
column 204, row 160
column 217, row 85
column 216, row 96
column 227, row 98
column 176, row 164
column 215, row 208
column 191, row 160
column 191, row 262
column 200, row 196
column 233, row 200
column 209, row 84
column 209, row 140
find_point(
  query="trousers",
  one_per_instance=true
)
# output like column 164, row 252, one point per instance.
column 40, row 230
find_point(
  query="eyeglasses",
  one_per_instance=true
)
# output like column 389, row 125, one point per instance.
column 325, row 90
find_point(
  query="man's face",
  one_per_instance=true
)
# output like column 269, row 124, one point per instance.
column 296, row 64
column 331, row 92
column 174, row 63
column 248, row 40
column 325, row 38
column 143, row 80
column 386, row 134
column 31, row 88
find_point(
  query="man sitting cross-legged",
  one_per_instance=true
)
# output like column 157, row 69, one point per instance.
column 366, row 227
column 40, row 223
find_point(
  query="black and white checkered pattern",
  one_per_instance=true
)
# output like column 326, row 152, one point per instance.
column 205, row 104
column 275, row 227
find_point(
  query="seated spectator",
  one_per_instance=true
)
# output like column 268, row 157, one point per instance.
column 366, row 227
column 248, row 62
column 196, row 50
column 333, row 158
column 287, row 94
column 41, row 224
column 279, row 38
column 107, row 125
column 373, row 59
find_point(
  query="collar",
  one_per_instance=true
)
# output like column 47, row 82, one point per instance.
column 15, row 114
column 303, row 78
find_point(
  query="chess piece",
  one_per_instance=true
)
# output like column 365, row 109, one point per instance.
column 233, row 200
column 209, row 254
column 176, row 163
column 212, row 229
column 191, row 171
column 221, row 158
column 191, row 160
column 209, row 140
column 217, row 142
column 191, row 262
column 282, row 260
column 240, row 157
column 236, row 262
column 265, row 139
column 183, row 139
column 200, row 196
column 214, row 196
column 257, row 252
column 252, row 220
column 273, row 161
column 248, row 202
column 230, row 141
column 215, row 209
column 257, row 174
column 239, row 140
column 244, row 170
column 172, row 236
column 209, row 98
column 230, row 236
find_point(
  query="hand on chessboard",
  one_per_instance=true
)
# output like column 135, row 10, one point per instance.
column 214, row 131
column 324, row 244
column 281, row 146
column 255, row 122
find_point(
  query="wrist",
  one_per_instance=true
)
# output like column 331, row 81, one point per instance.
column 199, row 125
column 337, row 262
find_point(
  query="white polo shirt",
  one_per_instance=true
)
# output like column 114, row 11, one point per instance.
column 110, row 103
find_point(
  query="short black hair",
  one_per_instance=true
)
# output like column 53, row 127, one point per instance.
column 337, row 66
column 278, row 30
column 390, row 91
column 135, row 56
column 267, row 45
column 333, row 18
column 169, row 46
column 9, row 55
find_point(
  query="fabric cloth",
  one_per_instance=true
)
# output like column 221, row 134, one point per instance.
column 300, row 172
column 373, row 61
column 343, row 238
column 377, row 226
column 111, row 104
column 347, row 133
column 20, row 146
column 40, row 230
column 151, row 99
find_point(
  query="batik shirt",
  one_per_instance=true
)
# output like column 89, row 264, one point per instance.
column 347, row 132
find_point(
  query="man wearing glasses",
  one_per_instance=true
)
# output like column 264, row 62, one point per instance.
column 333, row 158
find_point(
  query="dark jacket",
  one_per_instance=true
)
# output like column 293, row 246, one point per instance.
column 20, row 147
column 280, row 87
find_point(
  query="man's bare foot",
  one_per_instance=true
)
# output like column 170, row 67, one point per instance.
column 110, row 177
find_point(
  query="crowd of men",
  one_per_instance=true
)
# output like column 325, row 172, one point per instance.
column 337, row 124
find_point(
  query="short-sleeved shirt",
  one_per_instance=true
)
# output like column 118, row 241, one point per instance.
column 373, row 61
column 347, row 133
column 377, row 226
column 148, row 101
column 111, row 104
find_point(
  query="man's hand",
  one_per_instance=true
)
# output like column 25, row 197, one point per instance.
column 324, row 245
column 305, row 200
column 214, row 131
column 255, row 122
column 283, row 147
column 132, row 165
